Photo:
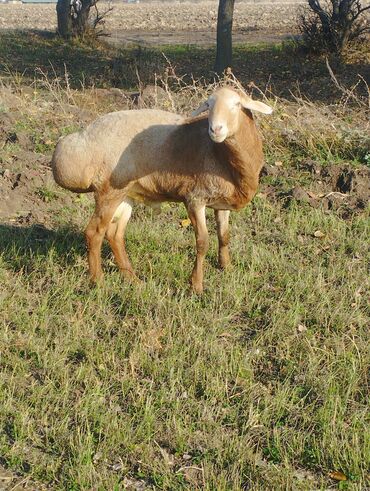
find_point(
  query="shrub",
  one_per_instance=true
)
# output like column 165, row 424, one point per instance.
column 332, row 25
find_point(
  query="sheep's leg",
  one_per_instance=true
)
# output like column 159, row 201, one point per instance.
column 198, row 220
column 222, row 221
column 95, row 232
column 115, row 235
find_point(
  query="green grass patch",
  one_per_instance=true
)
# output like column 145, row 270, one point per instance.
column 150, row 382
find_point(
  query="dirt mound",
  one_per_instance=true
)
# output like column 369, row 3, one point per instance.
column 346, row 179
column 26, row 183
column 342, row 188
column 24, row 195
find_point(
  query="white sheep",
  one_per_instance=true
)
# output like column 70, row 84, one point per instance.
column 151, row 156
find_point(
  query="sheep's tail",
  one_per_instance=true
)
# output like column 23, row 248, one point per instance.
column 72, row 164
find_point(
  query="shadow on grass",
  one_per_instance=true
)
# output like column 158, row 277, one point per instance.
column 25, row 52
column 19, row 246
column 94, row 63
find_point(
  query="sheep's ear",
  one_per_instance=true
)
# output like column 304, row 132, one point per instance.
column 258, row 106
column 201, row 109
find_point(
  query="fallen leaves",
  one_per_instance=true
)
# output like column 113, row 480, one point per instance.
column 185, row 223
column 318, row 234
column 338, row 476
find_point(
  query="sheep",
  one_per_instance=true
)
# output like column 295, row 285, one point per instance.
column 151, row 156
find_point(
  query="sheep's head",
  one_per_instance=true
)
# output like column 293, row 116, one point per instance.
column 225, row 106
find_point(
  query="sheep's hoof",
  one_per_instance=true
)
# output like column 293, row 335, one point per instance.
column 131, row 276
column 96, row 280
column 224, row 261
column 224, row 265
column 135, row 280
column 197, row 288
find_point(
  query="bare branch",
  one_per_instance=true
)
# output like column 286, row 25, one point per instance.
column 335, row 24
column 99, row 17
column 360, row 11
column 348, row 93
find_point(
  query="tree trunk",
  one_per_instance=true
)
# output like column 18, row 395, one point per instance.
column 73, row 17
column 224, row 35
column 64, row 18
column 80, row 24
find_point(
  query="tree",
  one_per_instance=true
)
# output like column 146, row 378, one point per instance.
column 333, row 25
column 73, row 17
column 224, row 35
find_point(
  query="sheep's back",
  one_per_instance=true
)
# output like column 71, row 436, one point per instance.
column 83, row 161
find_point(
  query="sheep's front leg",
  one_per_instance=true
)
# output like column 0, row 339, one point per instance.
column 222, row 221
column 197, row 216
column 115, row 236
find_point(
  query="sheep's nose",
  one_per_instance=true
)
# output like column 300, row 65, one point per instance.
column 217, row 130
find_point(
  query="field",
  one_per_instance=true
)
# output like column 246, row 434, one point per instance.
column 153, row 22
column 262, row 382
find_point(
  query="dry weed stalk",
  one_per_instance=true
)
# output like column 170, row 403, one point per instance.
column 184, row 95
column 61, row 92
column 300, row 127
column 350, row 94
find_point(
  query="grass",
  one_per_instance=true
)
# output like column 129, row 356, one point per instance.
column 102, row 383
column 261, row 383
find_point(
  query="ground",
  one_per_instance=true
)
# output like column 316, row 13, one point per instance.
column 261, row 383
column 156, row 23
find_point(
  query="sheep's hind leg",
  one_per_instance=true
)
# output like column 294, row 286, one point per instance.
column 115, row 235
column 95, row 231
column 222, row 221
column 197, row 216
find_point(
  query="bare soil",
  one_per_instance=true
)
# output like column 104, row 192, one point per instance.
column 158, row 23
column 199, row 38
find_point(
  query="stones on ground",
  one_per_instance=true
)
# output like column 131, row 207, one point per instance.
column 311, row 166
column 346, row 179
column 301, row 328
column 131, row 484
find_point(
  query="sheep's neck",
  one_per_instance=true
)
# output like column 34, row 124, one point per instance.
column 243, row 152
